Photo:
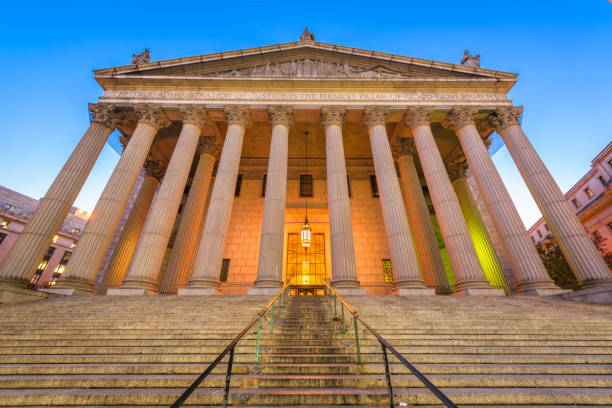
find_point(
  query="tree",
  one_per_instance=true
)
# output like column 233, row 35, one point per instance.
column 555, row 263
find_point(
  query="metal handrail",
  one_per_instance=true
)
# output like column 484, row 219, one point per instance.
column 385, row 346
column 230, row 349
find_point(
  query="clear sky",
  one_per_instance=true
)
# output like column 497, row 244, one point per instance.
column 561, row 49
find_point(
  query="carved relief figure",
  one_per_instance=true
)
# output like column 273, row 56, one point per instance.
column 469, row 60
column 142, row 58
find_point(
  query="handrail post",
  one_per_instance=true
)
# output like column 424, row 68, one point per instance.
column 228, row 377
column 329, row 298
column 272, row 320
column 388, row 375
column 343, row 324
column 357, row 340
column 257, row 344
column 335, row 307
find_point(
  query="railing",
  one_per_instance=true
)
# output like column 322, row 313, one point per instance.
column 334, row 298
column 282, row 294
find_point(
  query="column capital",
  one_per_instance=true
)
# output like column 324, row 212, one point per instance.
column 106, row 114
column 459, row 117
column 417, row 116
column 238, row 115
column 209, row 145
column 152, row 115
column 194, row 115
column 280, row 115
column 403, row 147
column 505, row 117
column 456, row 170
column 155, row 168
column 374, row 115
column 332, row 115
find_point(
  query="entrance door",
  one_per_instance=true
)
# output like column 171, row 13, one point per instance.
column 306, row 267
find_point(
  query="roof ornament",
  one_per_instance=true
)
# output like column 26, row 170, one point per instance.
column 469, row 60
column 307, row 35
column 142, row 58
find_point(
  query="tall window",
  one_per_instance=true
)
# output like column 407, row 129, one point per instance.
column 4, row 223
column 42, row 265
column 387, row 270
column 238, row 186
column 576, row 203
column 305, row 185
column 588, row 192
column 263, row 185
column 306, row 267
column 373, row 186
column 224, row 270
column 539, row 234
column 3, row 235
column 59, row 269
column 603, row 181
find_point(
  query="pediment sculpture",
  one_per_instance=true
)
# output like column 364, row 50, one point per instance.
column 469, row 60
column 142, row 58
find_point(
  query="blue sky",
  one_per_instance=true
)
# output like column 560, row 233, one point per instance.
column 561, row 49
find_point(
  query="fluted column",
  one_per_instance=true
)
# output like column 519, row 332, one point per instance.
column 423, row 233
column 526, row 263
column 129, row 237
column 580, row 252
column 408, row 280
column 180, row 265
column 21, row 261
column 478, row 231
column 142, row 274
column 344, row 268
column 470, row 279
column 205, row 279
column 85, row 261
column 270, row 264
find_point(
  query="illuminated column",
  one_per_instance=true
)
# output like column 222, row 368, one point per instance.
column 20, row 263
column 344, row 268
column 180, row 265
column 129, row 237
column 423, row 233
column 478, row 231
column 205, row 279
column 580, row 252
column 526, row 263
column 88, row 255
column 406, row 274
column 470, row 279
column 270, row 264
column 142, row 274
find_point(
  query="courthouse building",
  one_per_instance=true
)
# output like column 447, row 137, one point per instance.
column 304, row 161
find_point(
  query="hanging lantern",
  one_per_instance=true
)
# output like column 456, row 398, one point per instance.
column 305, row 234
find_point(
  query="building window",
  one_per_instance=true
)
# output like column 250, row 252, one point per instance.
column 76, row 230
column 388, row 270
column 546, row 226
column 305, row 185
column 588, row 192
column 603, row 181
column 373, row 186
column 3, row 235
column 576, row 203
column 533, row 239
column 263, row 185
column 59, row 269
column 597, row 236
column 306, row 268
column 610, row 226
column 348, row 185
column 10, row 208
column 224, row 270
column 238, row 186
column 187, row 188
column 55, row 238
column 539, row 234
column 42, row 266
column 610, row 163
column 4, row 224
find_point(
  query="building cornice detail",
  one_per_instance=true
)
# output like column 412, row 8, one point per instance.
column 106, row 114
column 152, row 115
column 332, row 115
column 459, row 117
column 280, row 115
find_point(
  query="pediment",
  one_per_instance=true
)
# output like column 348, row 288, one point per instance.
column 303, row 61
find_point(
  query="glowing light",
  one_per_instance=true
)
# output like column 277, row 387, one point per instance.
column 4, row 224
column 55, row 238
column 305, row 234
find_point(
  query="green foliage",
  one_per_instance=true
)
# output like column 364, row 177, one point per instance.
column 555, row 263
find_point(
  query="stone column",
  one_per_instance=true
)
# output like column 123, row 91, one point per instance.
column 344, row 268
column 142, row 274
column 406, row 273
column 205, row 280
column 470, row 279
column 476, row 227
column 85, row 261
column 580, row 252
column 180, row 265
column 20, row 263
column 129, row 237
column 423, row 233
column 526, row 263
column 270, row 264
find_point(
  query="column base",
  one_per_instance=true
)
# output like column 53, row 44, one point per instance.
column 443, row 291
column 130, row 292
column 479, row 292
column 413, row 292
column 199, row 292
column 259, row 291
column 543, row 291
column 597, row 294
column 68, row 291
column 351, row 291
column 16, row 293
column 72, row 287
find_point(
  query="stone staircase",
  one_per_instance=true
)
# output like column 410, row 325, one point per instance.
column 144, row 351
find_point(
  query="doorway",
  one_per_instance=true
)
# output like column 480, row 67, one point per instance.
column 306, row 267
